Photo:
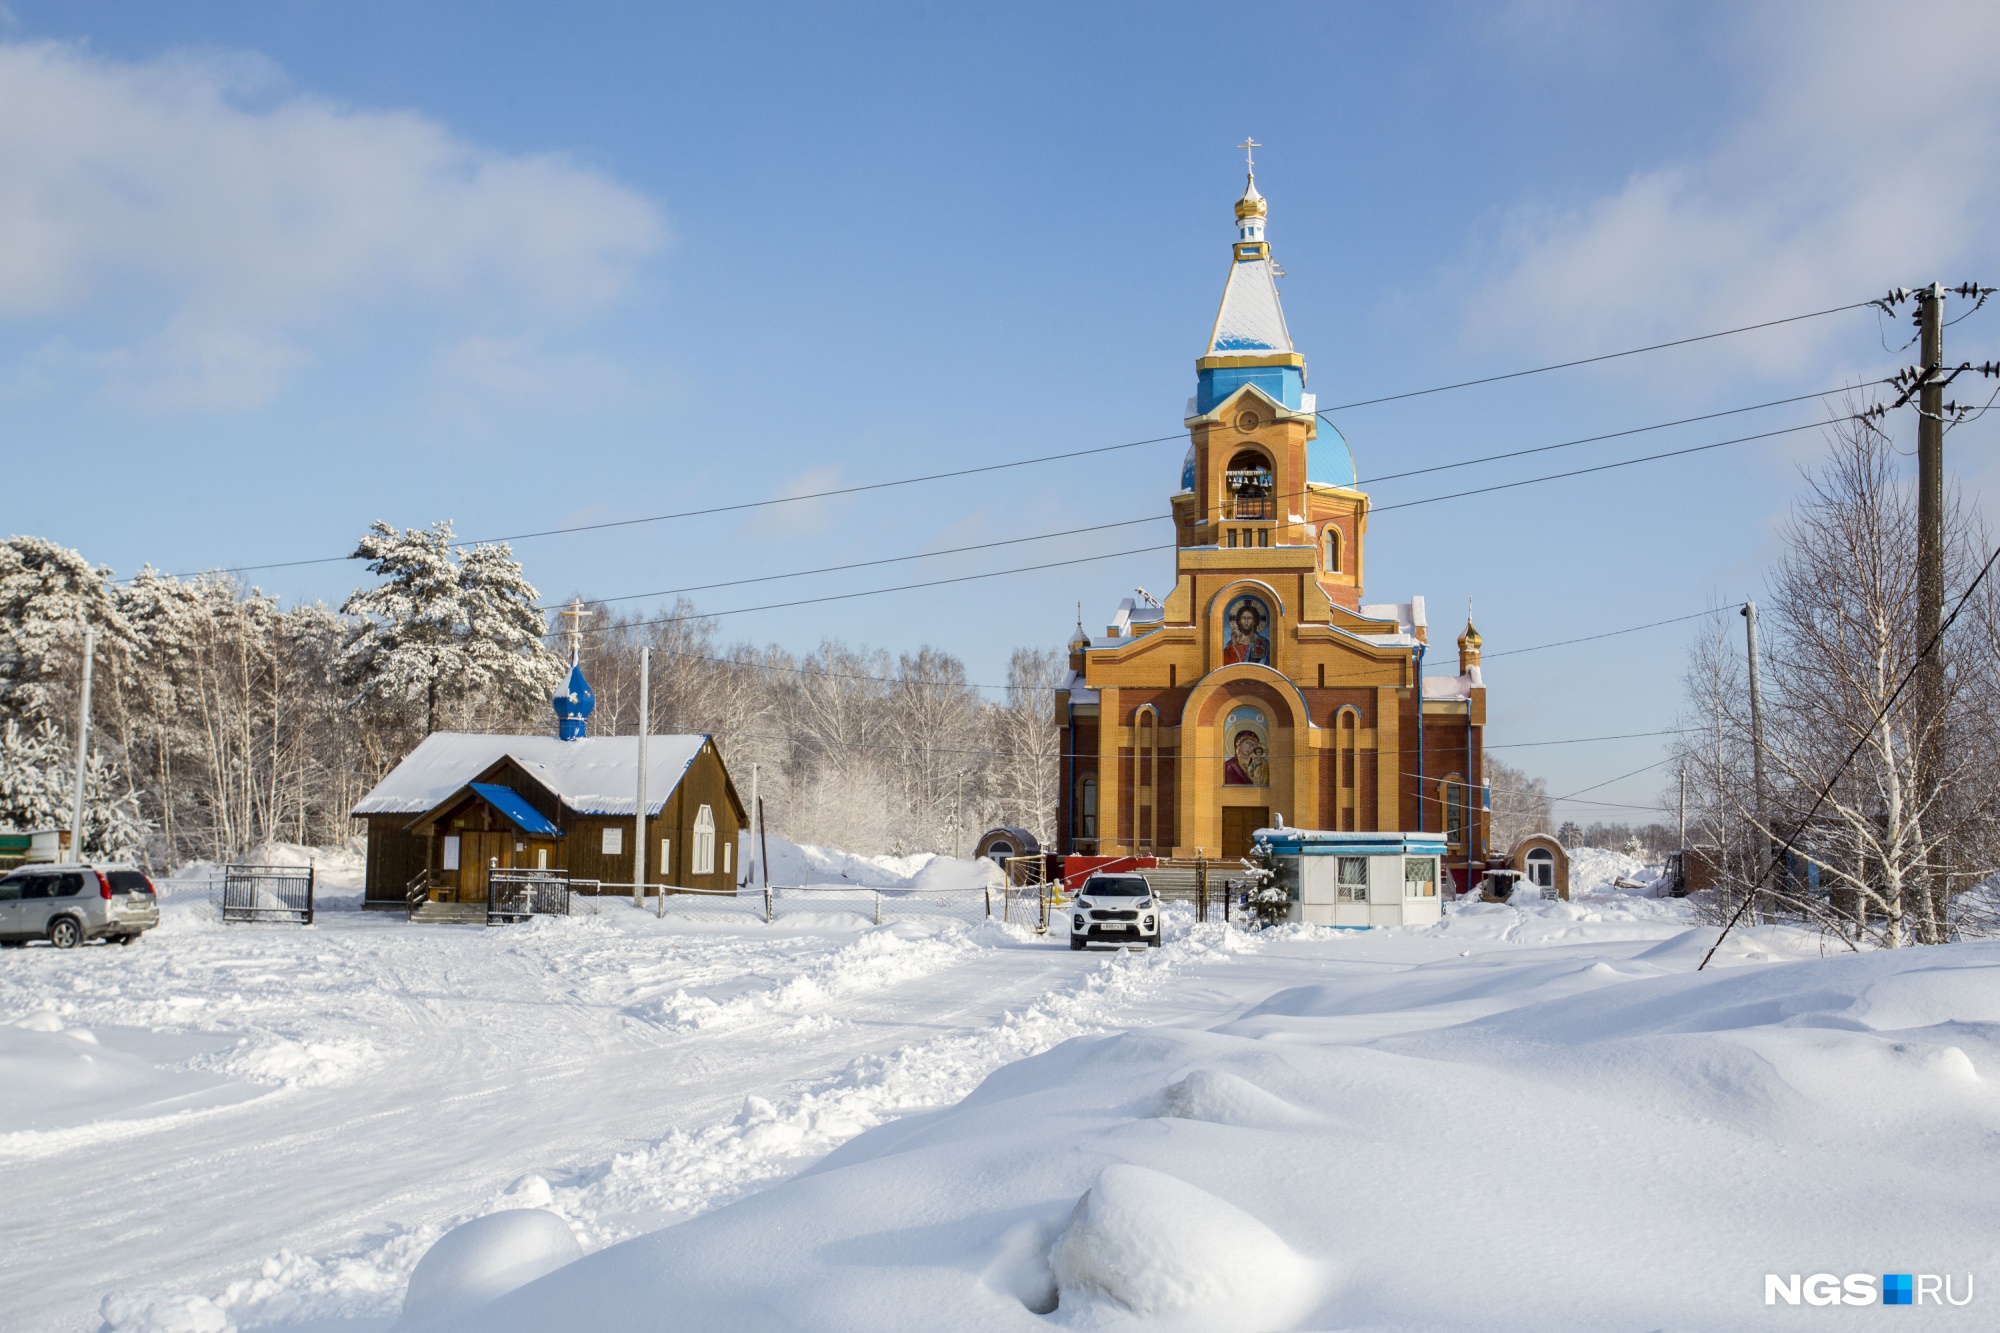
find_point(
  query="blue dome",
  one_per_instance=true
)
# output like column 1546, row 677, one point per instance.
column 574, row 706
column 1187, row 471
column 1328, row 459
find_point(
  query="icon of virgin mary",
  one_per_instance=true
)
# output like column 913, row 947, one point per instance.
column 1249, row 761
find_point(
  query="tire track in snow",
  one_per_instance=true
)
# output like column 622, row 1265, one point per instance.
column 688, row 1172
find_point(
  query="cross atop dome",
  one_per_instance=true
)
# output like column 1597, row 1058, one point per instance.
column 1250, row 320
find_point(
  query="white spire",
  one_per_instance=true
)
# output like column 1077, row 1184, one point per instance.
column 1250, row 321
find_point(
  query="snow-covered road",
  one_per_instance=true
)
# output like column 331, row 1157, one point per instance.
column 339, row 1093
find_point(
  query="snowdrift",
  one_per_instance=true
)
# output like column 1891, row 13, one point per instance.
column 1634, row 1146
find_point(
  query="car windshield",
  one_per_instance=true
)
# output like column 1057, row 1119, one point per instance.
column 1130, row 886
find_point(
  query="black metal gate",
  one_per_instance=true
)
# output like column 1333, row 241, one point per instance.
column 516, row 895
column 267, row 893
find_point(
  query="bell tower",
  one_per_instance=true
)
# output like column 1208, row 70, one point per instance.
column 1261, row 693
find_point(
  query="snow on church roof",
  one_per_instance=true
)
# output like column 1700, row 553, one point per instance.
column 1250, row 321
column 597, row 775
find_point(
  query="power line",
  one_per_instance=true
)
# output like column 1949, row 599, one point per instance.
column 1553, row 800
column 1608, row 634
column 1826, row 787
column 1290, row 495
column 1607, row 467
column 1593, row 360
column 1583, row 740
column 1619, row 434
column 862, row 487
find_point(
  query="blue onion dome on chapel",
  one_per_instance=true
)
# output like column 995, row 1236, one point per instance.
column 574, row 706
column 1329, row 460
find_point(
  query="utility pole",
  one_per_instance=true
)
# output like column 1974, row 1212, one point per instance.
column 958, row 822
column 639, row 815
column 1757, row 741
column 1684, row 810
column 82, row 746
column 1930, row 570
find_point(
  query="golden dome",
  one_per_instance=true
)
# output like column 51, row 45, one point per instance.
column 1470, row 639
column 1251, row 205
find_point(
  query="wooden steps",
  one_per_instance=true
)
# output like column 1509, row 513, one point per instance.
column 450, row 914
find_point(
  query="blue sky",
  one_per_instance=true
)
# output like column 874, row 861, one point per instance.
column 269, row 272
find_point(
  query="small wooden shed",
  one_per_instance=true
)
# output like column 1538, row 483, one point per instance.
column 461, row 805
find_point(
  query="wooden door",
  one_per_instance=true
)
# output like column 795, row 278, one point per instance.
column 475, row 857
column 1238, row 823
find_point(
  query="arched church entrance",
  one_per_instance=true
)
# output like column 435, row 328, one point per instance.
column 1243, row 769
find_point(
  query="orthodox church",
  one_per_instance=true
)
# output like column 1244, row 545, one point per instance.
column 1265, row 690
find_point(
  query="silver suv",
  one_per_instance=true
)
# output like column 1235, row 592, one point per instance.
column 68, row 904
column 1115, row 907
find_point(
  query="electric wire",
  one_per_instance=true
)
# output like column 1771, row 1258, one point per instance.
column 860, row 487
column 1170, row 546
column 1608, row 634
column 1288, row 495
column 1826, row 787
column 1593, row 360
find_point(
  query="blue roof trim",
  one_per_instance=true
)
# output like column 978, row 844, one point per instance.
column 511, row 804
column 1315, row 842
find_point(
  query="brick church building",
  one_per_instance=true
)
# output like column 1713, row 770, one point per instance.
column 1265, row 686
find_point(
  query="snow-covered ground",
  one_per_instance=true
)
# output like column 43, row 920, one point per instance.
column 1525, row 1117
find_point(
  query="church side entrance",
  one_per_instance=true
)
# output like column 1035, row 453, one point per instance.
column 1238, row 823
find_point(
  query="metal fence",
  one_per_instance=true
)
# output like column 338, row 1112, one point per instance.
column 779, row 901
column 518, row 895
column 267, row 893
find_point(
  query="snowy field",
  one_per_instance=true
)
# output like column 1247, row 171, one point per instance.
column 1526, row 1117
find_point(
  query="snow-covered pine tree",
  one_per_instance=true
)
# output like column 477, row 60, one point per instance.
column 447, row 626
column 1269, row 899
column 37, row 773
column 48, row 593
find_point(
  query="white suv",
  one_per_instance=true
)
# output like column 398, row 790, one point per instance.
column 1115, row 909
column 68, row 904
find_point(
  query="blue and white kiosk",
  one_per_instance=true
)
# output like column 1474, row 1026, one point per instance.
column 1357, row 879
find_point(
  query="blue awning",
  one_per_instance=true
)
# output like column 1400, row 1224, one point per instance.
column 510, row 803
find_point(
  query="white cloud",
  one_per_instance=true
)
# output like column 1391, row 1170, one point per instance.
column 1866, row 161
column 220, row 229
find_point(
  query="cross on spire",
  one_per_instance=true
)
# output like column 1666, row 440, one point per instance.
column 1250, row 147
column 575, row 615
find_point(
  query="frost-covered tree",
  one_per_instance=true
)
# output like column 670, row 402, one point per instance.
column 37, row 773
column 1520, row 805
column 48, row 593
column 1027, row 761
column 448, row 626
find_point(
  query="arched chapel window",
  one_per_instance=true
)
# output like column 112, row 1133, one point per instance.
column 704, row 841
column 1332, row 543
column 1086, row 808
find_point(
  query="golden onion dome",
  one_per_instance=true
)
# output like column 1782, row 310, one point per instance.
column 1470, row 639
column 1251, row 205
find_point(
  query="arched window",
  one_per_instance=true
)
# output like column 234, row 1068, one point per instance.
column 704, row 842
column 1542, row 868
column 1332, row 544
column 1451, row 795
column 1347, row 768
column 1146, row 761
column 1248, row 482
column 1086, row 808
